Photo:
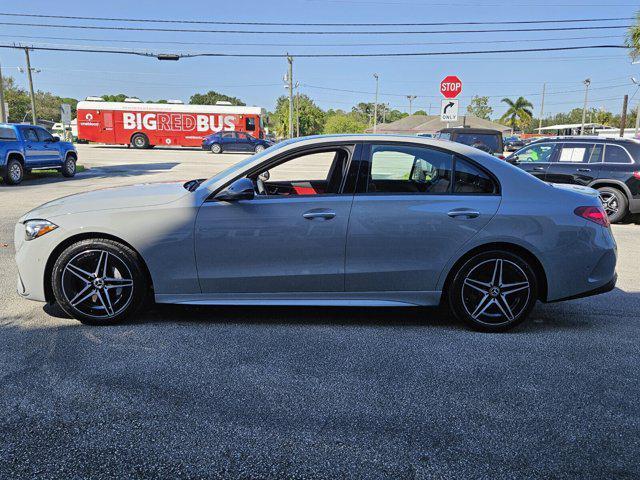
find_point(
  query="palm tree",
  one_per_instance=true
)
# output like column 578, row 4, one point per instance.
column 633, row 39
column 519, row 112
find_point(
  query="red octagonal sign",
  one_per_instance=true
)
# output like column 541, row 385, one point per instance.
column 451, row 86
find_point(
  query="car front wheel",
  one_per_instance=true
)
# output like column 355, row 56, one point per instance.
column 14, row 173
column 69, row 167
column 493, row 291
column 99, row 281
column 259, row 148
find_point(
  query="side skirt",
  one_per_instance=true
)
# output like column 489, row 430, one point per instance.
column 330, row 299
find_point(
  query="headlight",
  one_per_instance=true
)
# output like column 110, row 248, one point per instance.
column 37, row 228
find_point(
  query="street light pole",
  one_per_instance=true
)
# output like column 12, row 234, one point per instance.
column 411, row 98
column 544, row 88
column 375, row 106
column 34, row 119
column 587, row 82
column 290, row 60
column 635, row 133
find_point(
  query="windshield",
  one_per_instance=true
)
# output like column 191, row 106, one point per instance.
column 238, row 167
column 483, row 141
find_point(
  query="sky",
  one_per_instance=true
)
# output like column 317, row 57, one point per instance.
column 259, row 81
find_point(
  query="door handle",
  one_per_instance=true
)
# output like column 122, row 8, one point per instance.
column 584, row 169
column 326, row 214
column 539, row 169
column 463, row 212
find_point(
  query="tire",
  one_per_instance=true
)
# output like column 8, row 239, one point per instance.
column 140, row 140
column 259, row 148
column 493, row 291
column 14, row 173
column 216, row 148
column 107, row 297
column 68, row 169
column 615, row 203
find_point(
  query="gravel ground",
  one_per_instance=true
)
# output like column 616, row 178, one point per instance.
column 310, row 393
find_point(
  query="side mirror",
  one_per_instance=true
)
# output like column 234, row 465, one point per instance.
column 264, row 176
column 513, row 159
column 241, row 189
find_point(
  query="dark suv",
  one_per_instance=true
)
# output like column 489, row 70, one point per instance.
column 610, row 165
column 485, row 139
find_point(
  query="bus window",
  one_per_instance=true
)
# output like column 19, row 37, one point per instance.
column 250, row 124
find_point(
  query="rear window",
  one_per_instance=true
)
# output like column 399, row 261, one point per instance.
column 7, row 134
column 483, row 141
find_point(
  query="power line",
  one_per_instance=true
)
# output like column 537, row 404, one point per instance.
column 308, row 24
column 305, row 32
column 262, row 44
column 313, row 55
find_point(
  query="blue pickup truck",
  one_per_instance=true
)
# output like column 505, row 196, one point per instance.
column 27, row 147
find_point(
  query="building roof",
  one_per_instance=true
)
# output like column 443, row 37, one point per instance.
column 415, row 124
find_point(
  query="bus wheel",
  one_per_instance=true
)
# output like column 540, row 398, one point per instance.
column 216, row 148
column 140, row 140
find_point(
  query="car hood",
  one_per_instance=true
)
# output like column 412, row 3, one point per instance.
column 140, row 195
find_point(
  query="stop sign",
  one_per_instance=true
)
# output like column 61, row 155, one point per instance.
column 451, row 86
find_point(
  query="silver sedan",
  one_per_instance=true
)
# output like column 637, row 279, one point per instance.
column 355, row 220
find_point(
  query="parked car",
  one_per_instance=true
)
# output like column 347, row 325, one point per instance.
column 348, row 220
column 511, row 144
column 234, row 142
column 27, row 147
column 484, row 139
column 610, row 165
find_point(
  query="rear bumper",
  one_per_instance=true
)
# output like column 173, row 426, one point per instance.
column 634, row 205
column 610, row 285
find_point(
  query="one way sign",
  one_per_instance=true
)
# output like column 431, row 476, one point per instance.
column 449, row 110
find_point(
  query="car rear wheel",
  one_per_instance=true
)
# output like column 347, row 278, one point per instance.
column 14, row 173
column 493, row 291
column 259, row 148
column 99, row 281
column 140, row 140
column 216, row 148
column 69, row 167
column 614, row 202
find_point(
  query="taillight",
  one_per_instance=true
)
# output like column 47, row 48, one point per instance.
column 594, row 214
column 636, row 174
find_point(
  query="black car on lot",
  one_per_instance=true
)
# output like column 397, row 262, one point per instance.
column 610, row 165
column 484, row 139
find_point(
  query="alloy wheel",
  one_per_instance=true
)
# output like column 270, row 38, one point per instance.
column 97, row 283
column 15, row 172
column 495, row 292
column 609, row 203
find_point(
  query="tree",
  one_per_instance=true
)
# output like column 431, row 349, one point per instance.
column 119, row 97
column 519, row 113
column 17, row 98
column 420, row 112
column 364, row 111
column 479, row 106
column 341, row 123
column 311, row 116
column 633, row 39
column 211, row 98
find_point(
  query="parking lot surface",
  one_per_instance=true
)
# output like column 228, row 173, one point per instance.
column 310, row 393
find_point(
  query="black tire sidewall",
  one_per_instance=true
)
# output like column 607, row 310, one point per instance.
column 213, row 146
column 140, row 283
column 623, row 204
column 454, row 291
column 65, row 170
column 145, row 140
column 7, row 179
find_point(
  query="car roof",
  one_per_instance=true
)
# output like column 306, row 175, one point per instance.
column 590, row 138
column 469, row 130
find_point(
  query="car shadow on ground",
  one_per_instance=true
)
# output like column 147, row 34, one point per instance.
column 567, row 315
column 158, row 147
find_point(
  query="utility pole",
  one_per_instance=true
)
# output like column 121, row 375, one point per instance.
column 411, row 98
column 637, row 84
column 34, row 119
column 587, row 82
column 297, row 109
column 375, row 106
column 544, row 88
column 623, row 118
column 3, row 113
column 429, row 109
column 290, row 76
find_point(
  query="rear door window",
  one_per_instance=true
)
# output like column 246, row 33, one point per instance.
column 616, row 154
column 7, row 134
column 471, row 179
column 575, row 153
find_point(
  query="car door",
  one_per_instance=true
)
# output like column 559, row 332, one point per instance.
column 35, row 153
column 229, row 141
column 576, row 163
column 289, row 240
column 414, row 208
column 52, row 148
column 535, row 158
column 244, row 142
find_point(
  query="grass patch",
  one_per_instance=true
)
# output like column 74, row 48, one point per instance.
column 51, row 172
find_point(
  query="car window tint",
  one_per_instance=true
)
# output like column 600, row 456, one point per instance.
column 444, row 136
column 575, row 153
column 483, row 141
column 228, row 135
column 471, row 179
column 407, row 169
column 536, row 153
column 596, row 153
column 30, row 134
column 43, row 135
column 615, row 154
column 7, row 133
